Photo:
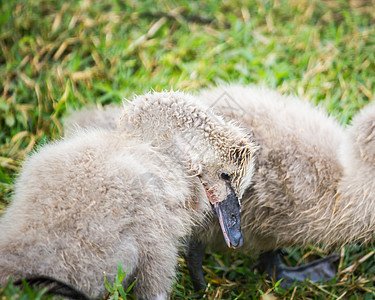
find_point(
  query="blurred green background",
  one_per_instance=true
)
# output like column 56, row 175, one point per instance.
column 59, row 56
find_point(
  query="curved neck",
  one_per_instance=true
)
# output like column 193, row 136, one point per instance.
column 177, row 117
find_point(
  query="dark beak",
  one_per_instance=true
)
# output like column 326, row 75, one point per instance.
column 229, row 215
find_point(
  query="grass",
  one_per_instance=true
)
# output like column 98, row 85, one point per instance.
column 58, row 56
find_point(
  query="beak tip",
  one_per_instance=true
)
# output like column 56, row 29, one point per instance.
column 239, row 243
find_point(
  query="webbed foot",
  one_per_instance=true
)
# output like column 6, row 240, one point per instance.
column 319, row 270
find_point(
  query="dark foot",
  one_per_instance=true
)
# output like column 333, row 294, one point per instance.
column 319, row 270
column 54, row 286
column 194, row 260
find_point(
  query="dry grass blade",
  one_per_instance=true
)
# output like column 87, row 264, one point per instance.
column 323, row 290
column 154, row 28
column 356, row 264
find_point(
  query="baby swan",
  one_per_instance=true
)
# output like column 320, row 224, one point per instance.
column 98, row 198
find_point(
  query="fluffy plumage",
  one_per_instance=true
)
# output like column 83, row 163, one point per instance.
column 100, row 197
column 73, row 214
column 314, row 180
column 104, row 118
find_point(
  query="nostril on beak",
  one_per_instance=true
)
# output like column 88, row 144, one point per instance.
column 233, row 220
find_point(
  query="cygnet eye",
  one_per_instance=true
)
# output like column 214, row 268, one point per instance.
column 225, row 176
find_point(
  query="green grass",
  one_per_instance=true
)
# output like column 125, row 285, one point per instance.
column 58, row 56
